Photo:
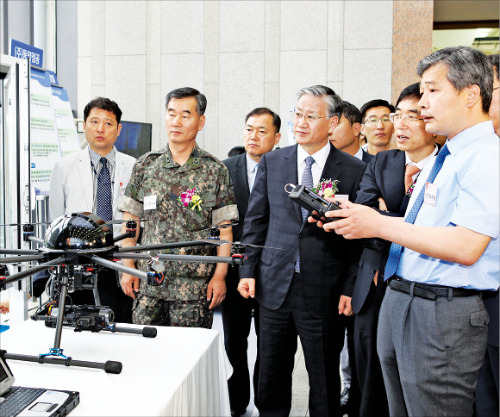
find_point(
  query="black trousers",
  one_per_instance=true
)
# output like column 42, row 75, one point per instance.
column 371, row 383
column 322, row 340
column 237, row 313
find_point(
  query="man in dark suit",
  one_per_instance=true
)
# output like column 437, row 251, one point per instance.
column 487, row 384
column 262, row 128
column 384, row 187
column 304, row 288
column 345, row 137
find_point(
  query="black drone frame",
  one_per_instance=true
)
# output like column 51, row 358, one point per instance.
column 64, row 261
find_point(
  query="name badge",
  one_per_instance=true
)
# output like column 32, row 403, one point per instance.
column 150, row 202
column 341, row 197
column 123, row 187
column 430, row 194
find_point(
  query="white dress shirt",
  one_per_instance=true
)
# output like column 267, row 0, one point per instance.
column 320, row 158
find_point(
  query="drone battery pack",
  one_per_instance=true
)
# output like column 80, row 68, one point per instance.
column 313, row 202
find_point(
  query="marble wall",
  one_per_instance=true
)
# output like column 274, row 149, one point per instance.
column 240, row 54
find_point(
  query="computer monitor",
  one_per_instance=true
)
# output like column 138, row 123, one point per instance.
column 135, row 138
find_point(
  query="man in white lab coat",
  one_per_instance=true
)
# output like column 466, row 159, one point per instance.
column 75, row 186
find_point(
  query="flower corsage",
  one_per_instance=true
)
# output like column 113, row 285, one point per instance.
column 326, row 188
column 191, row 200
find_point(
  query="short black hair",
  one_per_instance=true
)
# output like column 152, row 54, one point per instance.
column 494, row 61
column 412, row 91
column 350, row 112
column 184, row 92
column 237, row 150
column 102, row 103
column 264, row 110
column 375, row 103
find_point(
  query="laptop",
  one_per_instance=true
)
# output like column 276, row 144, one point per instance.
column 22, row 401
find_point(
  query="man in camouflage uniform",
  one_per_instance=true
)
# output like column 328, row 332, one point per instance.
column 180, row 192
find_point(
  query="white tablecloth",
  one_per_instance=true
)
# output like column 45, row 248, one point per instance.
column 181, row 372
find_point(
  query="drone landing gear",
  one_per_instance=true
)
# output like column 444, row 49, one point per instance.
column 82, row 318
column 111, row 367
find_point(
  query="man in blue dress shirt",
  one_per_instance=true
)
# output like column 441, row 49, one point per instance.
column 433, row 326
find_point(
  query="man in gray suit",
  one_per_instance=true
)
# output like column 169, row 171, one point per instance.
column 74, row 187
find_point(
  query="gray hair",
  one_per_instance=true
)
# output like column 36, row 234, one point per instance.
column 494, row 60
column 466, row 67
column 179, row 93
column 332, row 100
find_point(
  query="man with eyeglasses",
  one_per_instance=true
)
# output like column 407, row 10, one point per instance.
column 433, row 325
column 387, row 185
column 377, row 126
column 301, row 277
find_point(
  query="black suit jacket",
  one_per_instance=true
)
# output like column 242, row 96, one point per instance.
column 384, row 177
column 237, row 166
column 328, row 261
column 366, row 157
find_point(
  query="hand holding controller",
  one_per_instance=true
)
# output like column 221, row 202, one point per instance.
column 313, row 202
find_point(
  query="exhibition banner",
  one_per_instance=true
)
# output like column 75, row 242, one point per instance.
column 53, row 130
column 65, row 124
column 43, row 135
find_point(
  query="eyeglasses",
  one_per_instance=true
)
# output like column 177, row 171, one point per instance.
column 374, row 120
column 309, row 118
column 408, row 118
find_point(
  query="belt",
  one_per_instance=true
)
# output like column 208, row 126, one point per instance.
column 428, row 292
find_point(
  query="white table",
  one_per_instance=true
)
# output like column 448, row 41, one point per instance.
column 181, row 372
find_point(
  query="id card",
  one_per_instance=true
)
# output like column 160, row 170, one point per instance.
column 150, row 202
column 341, row 196
column 430, row 195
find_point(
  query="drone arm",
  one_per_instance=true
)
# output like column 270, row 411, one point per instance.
column 174, row 245
column 4, row 251
column 175, row 257
column 121, row 268
column 28, row 272
column 25, row 258
column 35, row 239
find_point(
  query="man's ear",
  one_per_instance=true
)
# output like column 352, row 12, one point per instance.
column 119, row 128
column 202, row 123
column 356, row 129
column 277, row 138
column 334, row 121
column 473, row 95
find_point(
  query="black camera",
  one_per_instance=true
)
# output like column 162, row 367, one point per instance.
column 84, row 317
column 313, row 202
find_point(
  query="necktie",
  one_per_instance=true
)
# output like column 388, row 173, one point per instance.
column 252, row 177
column 307, row 180
column 104, row 208
column 396, row 250
column 410, row 171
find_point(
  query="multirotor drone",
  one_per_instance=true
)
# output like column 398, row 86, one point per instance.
column 75, row 247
